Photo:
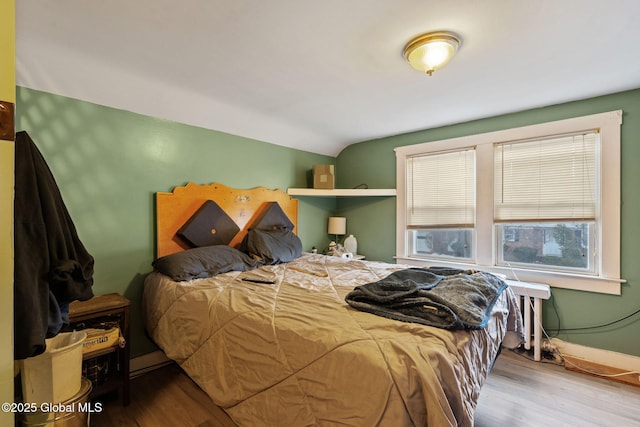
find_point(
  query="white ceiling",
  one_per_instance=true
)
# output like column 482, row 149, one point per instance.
column 320, row 75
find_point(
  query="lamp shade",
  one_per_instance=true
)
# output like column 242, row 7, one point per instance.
column 337, row 225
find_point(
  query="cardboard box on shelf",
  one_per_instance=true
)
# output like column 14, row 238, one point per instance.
column 323, row 177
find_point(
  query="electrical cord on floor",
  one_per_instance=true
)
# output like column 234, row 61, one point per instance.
column 599, row 374
column 555, row 351
column 564, row 361
column 523, row 353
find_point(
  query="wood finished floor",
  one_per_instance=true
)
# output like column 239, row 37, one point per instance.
column 518, row 392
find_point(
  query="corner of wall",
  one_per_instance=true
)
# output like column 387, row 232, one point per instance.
column 7, row 93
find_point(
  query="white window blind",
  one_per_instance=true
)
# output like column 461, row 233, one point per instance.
column 441, row 190
column 548, row 179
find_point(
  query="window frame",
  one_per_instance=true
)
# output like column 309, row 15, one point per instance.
column 608, row 216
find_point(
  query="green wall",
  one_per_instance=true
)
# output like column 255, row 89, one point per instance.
column 109, row 163
column 373, row 162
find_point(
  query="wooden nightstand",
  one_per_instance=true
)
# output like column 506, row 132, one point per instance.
column 113, row 361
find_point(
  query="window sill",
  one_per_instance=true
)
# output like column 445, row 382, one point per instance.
column 557, row 280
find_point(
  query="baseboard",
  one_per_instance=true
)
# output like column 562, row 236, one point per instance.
column 147, row 362
column 600, row 363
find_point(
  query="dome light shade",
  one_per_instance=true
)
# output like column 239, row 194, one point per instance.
column 431, row 51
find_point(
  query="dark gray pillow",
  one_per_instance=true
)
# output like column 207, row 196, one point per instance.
column 273, row 246
column 208, row 226
column 207, row 261
column 272, row 217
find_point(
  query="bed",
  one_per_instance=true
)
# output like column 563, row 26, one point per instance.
column 274, row 343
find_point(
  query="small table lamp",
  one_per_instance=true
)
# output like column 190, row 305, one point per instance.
column 337, row 226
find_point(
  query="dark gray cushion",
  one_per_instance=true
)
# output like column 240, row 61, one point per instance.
column 209, row 226
column 203, row 262
column 273, row 246
column 272, row 217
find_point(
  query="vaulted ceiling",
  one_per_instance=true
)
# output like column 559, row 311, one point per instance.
column 321, row 75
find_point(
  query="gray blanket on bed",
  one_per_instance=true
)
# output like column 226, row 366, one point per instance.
column 441, row 297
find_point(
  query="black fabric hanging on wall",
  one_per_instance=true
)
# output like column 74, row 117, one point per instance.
column 51, row 266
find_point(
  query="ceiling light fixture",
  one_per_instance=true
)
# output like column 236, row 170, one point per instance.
column 431, row 51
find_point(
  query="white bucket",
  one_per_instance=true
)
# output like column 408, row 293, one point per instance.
column 54, row 376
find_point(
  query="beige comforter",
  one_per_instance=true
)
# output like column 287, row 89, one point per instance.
column 294, row 353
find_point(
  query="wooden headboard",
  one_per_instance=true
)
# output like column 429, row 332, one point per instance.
column 175, row 208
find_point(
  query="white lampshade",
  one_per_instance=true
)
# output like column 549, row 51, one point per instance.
column 337, row 225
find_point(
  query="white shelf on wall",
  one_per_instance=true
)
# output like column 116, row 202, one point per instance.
column 342, row 192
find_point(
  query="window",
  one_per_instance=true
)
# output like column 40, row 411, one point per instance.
column 440, row 216
column 559, row 246
column 546, row 191
column 526, row 202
